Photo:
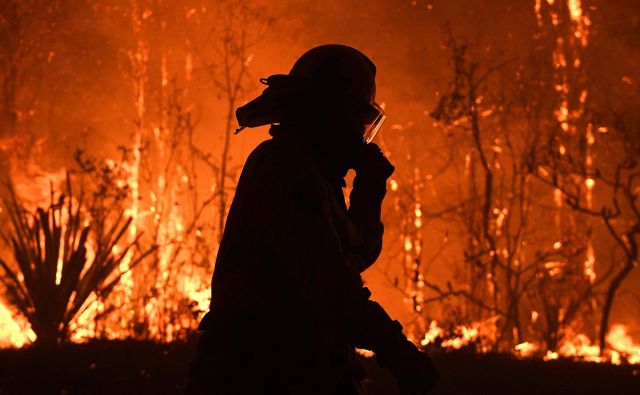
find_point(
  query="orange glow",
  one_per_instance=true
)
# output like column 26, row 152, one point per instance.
column 484, row 247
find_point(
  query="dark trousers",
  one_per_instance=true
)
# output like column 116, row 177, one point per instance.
column 219, row 369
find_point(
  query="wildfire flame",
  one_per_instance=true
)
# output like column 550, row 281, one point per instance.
column 14, row 330
column 574, row 346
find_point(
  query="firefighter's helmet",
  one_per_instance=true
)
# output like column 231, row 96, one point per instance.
column 329, row 83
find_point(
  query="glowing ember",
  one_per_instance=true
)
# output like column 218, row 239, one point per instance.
column 432, row 334
column 365, row 353
column 526, row 349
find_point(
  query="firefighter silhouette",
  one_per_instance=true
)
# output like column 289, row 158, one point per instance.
column 288, row 304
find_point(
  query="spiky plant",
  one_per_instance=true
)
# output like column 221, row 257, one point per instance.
column 50, row 278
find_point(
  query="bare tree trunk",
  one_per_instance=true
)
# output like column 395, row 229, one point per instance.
column 608, row 302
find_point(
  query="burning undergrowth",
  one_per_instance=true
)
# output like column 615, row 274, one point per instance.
column 480, row 338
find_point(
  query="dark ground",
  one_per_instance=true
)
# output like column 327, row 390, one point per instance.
column 146, row 368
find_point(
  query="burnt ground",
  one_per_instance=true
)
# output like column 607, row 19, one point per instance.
column 130, row 367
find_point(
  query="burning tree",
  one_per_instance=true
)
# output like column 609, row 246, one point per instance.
column 179, row 218
column 180, row 210
column 516, row 136
column 405, row 223
column 608, row 189
column 517, row 273
column 590, row 151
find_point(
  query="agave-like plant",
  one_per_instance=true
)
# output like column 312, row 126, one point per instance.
column 51, row 278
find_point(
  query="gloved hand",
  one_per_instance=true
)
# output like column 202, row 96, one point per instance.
column 412, row 368
column 371, row 164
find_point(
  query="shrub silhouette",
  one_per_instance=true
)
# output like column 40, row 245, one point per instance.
column 50, row 278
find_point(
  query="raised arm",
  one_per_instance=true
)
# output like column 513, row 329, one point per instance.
column 365, row 203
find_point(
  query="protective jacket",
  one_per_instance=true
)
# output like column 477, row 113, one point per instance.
column 288, row 303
